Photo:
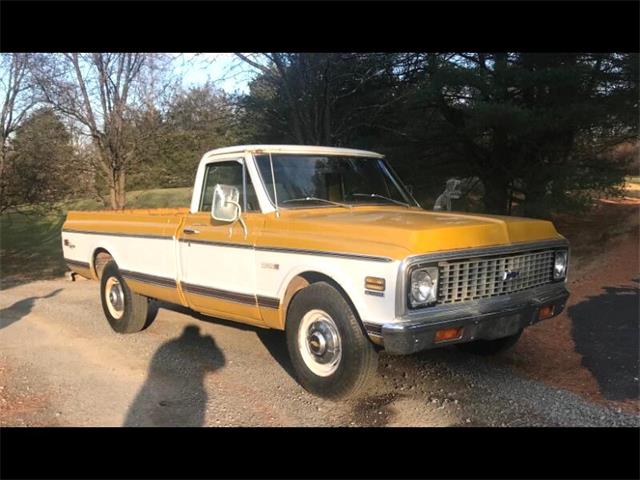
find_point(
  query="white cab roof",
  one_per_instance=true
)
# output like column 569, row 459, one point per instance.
column 301, row 149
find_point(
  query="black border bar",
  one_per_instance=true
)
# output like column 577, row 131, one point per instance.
column 231, row 26
column 398, row 453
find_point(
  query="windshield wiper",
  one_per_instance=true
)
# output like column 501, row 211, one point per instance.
column 316, row 199
column 377, row 195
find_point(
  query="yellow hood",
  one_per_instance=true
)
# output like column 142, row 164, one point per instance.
column 396, row 232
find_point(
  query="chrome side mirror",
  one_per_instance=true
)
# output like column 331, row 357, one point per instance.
column 225, row 206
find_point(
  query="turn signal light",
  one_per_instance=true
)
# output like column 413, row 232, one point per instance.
column 545, row 312
column 374, row 283
column 448, row 334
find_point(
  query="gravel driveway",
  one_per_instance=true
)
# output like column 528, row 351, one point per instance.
column 60, row 364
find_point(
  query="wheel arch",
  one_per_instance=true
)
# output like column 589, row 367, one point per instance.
column 304, row 279
column 99, row 259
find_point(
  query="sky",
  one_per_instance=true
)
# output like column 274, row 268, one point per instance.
column 223, row 69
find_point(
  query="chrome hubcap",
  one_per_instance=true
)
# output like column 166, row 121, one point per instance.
column 319, row 343
column 323, row 341
column 115, row 297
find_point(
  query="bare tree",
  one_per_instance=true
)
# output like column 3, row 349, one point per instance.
column 17, row 100
column 99, row 91
column 322, row 95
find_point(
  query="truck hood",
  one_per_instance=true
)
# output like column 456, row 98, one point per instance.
column 396, row 232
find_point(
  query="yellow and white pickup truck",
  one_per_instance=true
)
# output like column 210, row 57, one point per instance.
column 328, row 245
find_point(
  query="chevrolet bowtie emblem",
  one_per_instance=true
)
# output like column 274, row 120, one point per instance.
column 509, row 275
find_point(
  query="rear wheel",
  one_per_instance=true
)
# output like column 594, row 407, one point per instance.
column 331, row 355
column 490, row 347
column 126, row 311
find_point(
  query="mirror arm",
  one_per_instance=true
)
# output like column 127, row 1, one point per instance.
column 239, row 218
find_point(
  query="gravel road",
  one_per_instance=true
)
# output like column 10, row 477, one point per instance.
column 61, row 364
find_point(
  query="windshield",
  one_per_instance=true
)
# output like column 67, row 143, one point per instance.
column 330, row 179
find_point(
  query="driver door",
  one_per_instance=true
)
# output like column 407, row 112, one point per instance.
column 217, row 259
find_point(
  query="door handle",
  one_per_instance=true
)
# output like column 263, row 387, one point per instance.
column 190, row 230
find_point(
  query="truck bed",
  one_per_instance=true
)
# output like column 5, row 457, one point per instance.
column 151, row 221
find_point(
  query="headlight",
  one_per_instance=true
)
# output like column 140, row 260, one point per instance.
column 560, row 265
column 424, row 286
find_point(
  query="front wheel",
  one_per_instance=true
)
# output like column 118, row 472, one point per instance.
column 490, row 347
column 126, row 311
column 329, row 350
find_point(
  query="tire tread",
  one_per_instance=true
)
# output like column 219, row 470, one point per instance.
column 352, row 379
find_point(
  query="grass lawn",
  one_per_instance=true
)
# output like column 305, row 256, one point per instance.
column 30, row 244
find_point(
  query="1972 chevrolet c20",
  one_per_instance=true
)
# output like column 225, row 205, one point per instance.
column 328, row 245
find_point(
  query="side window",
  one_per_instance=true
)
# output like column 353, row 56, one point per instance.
column 228, row 173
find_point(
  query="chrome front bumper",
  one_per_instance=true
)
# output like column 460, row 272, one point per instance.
column 482, row 320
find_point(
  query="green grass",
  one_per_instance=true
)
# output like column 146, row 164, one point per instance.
column 160, row 198
column 30, row 243
column 633, row 179
column 30, row 246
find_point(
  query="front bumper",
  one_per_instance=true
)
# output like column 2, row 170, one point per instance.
column 481, row 320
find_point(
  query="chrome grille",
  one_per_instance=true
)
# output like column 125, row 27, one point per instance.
column 476, row 278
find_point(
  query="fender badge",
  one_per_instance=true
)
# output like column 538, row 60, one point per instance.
column 272, row 266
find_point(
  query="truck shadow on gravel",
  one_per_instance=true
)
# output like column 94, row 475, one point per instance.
column 173, row 394
column 273, row 340
column 21, row 309
column 605, row 329
column 276, row 344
